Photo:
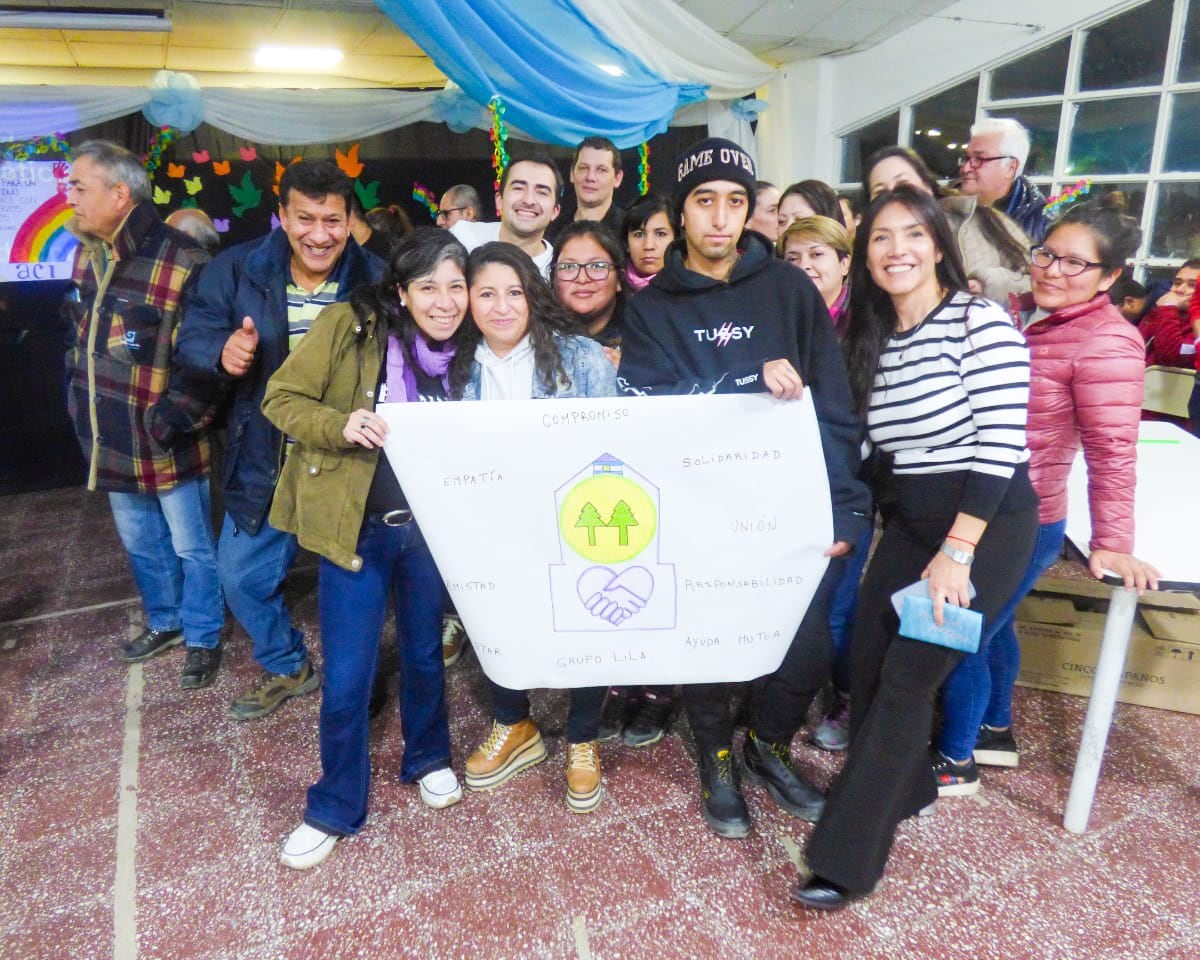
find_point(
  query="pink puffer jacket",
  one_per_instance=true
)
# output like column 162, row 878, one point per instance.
column 1086, row 379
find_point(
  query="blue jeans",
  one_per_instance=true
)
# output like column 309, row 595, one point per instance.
column 980, row 688
column 352, row 607
column 583, row 710
column 169, row 540
column 252, row 569
column 843, row 605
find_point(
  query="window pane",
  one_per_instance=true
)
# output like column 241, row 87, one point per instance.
column 1189, row 57
column 1042, row 73
column 1129, row 50
column 1183, row 137
column 1113, row 136
column 942, row 124
column 860, row 144
column 1042, row 124
column 1177, row 223
column 1134, row 191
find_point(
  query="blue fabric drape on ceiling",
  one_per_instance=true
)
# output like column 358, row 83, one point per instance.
column 544, row 60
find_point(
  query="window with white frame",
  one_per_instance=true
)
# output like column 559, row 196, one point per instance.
column 1116, row 102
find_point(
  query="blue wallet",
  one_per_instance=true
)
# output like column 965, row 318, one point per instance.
column 961, row 628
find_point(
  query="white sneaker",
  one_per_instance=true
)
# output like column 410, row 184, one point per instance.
column 440, row 789
column 306, row 847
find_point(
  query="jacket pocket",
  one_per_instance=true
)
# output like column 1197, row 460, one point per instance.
column 133, row 333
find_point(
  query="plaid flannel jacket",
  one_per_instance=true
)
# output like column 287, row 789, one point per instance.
column 126, row 307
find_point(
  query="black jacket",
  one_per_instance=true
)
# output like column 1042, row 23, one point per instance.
column 687, row 334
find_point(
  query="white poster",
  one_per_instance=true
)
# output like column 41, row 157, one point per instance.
column 620, row 541
column 34, row 242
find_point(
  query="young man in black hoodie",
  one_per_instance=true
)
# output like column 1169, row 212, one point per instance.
column 724, row 316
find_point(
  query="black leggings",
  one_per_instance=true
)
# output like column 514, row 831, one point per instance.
column 894, row 682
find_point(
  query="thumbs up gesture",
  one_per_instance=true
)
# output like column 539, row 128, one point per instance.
column 238, row 352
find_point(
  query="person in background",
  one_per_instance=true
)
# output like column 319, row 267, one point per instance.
column 991, row 169
column 766, row 210
column 596, row 176
column 647, row 229
column 1085, row 391
column 821, row 248
column 1129, row 297
column 994, row 250
column 196, row 224
column 1167, row 329
column 809, row 198
column 521, row 345
column 460, row 202
column 851, row 212
column 392, row 343
column 942, row 377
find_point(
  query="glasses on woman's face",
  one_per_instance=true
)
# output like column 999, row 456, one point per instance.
column 1067, row 266
column 596, row 270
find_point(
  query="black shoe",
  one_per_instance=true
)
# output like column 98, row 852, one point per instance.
column 996, row 748
column 818, row 894
column 770, row 765
column 613, row 713
column 721, row 794
column 149, row 644
column 200, row 668
column 652, row 721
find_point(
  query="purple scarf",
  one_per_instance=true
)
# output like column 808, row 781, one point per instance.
column 400, row 376
column 634, row 280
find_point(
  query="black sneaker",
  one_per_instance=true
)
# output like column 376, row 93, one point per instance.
column 722, row 802
column 770, row 765
column 150, row 643
column 652, row 721
column 200, row 667
column 613, row 713
column 996, row 748
column 954, row 779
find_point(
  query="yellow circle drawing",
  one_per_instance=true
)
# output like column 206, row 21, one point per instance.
column 608, row 519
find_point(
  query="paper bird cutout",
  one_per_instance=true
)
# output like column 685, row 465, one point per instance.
column 249, row 153
column 245, row 195
column 348, row 162
column 200, row 156
column 368, row 193
column 194, row 186
column 189, row 203
column 221, row 168
column 176, row 170
column 222, row 224
column 162, row 196
column 274, row 221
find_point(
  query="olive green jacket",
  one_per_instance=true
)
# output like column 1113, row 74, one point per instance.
column 322, row 493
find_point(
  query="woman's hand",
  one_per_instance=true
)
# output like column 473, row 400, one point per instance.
column 781, row 378
column 1135, row 572
column 949, row 582
column 365, row 428
column 839, row 549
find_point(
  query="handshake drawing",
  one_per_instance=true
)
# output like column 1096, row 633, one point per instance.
column 615, row 597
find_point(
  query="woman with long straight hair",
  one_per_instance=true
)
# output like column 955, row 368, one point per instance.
column 942, row 379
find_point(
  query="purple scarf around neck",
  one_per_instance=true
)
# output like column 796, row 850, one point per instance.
column 400, row 376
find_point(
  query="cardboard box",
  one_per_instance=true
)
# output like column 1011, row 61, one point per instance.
column 1059, row 627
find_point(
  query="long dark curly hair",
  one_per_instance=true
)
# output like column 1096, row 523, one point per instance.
column 546, row 318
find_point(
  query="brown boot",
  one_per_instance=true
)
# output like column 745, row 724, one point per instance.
column 506, row 752
column 584, row 787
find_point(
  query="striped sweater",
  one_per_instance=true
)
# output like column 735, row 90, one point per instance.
column 951, row 395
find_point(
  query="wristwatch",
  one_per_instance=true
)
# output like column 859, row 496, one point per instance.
column 958, row 556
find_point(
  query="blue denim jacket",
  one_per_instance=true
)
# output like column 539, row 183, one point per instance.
column 589, row 370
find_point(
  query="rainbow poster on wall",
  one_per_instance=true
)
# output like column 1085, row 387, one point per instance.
column 34, row 241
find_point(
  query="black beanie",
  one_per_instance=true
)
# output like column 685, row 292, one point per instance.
column 713, row 159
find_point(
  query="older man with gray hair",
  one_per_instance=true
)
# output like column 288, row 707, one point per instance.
column 991, row 169
column 130, row 275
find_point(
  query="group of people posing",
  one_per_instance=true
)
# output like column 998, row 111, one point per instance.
column 293, row 340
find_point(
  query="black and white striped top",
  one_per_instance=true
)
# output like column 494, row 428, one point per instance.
column 951, row 395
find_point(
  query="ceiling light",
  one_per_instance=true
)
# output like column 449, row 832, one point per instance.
column 297, row 58
column 933, row 132
column 84, row 18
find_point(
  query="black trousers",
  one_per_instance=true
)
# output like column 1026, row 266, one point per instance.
column 779, row 701
column 894, row 681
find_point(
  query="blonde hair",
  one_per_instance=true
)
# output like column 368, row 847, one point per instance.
column 821, row 229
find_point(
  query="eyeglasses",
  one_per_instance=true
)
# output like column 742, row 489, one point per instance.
column 446, row 211
column 596, row 270
column 1068, row 266
column 976, row 162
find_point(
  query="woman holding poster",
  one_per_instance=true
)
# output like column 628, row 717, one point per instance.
column 522, row 346
column 394, row 343
column 942, row 379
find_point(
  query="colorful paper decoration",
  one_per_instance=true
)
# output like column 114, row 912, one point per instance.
column 221, row 168
column 644, row 168
column 26, row 149
column 367, row 193
column 424, row 196
column 162, row 197
column 348, row 162
column 248, row 153
column 246, row 196
column 222, row 224
column 176, row 171
column 200, row 156
column 163, row 139
column 499, row 137
column 194, row 186
column 1069, row 195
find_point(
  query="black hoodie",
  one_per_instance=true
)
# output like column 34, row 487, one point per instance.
column 687, row 333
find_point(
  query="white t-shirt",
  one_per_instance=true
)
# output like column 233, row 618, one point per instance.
column 472, row 234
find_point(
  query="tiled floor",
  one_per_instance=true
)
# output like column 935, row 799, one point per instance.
column 192, row 871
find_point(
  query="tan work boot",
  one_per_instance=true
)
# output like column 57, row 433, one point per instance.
column 272, row 689
column 584, row 789
column 505, row 753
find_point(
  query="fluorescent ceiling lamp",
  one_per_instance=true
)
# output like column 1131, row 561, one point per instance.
column 84, row 18
column 297, row 58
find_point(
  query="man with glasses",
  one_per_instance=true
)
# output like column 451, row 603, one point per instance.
column 1167, row 329
column 991, row 170
column 460, row 202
